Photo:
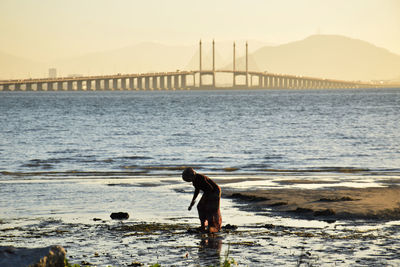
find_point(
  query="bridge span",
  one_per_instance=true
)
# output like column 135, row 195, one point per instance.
column 182, row 80
column 178, row 80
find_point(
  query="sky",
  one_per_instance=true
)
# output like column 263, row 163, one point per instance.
column 51, row 29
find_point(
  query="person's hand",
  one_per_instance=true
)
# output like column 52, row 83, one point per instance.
column 191, row 205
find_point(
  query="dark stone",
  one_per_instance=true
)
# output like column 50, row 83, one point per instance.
column 229, row 227
column 96, row 219
column 303, row 210
column 327, row 212
column 193, row 231
column 277, row 204
column 269, row 226
column 119, row 215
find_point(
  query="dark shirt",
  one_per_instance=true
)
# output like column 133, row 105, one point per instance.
column 205, row 184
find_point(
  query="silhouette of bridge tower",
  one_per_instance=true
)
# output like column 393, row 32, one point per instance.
column 181, row 80
column 212, row 72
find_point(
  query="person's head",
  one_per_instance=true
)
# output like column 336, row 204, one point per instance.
column 188, row 174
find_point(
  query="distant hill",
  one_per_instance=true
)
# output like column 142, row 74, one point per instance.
column 138, row 58
column 326, row 56
column 143, row 57
column 13, row 67
column 330, row 56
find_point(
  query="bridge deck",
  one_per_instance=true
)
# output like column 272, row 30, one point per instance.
column 178, row 80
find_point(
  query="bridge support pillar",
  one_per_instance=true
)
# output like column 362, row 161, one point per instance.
column 106, row 84
column 176, row 82
column 169, row 82
column 140, row 83
column 183, row 81
column 131, row 85
column 97, row 85
column 154, row 82
column 114, row 84
column 214, row 81
column 162, row 82
column 79, row 85
column 88, row 85
column 123, row 84
column 277, row 82
column 147, row 83
column 50, row 86
column 28, row 87
column 39, row 87
column 270, row 82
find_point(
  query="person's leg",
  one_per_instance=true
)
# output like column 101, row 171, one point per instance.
column 202, row 210
column 214, row 213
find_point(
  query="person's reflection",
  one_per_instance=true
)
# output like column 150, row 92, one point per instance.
column 210, row 250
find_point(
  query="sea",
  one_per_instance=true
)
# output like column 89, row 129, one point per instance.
column 67, row 158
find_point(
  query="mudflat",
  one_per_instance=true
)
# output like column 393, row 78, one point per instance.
column 377, row 203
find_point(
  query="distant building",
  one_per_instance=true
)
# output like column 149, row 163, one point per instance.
column 52, row 73
column 74, row 75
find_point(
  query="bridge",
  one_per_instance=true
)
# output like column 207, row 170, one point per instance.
column 181, row 80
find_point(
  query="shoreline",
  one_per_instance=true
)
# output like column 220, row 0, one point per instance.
column 329, row 204
column 257, row 234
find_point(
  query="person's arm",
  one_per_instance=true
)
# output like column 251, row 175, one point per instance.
column 196, row 193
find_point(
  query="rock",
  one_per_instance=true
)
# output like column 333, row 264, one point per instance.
column 52, row 256
column 327, row 212
column 229, row 227
column 119, row 215
column 303, row 210
column 269, row 226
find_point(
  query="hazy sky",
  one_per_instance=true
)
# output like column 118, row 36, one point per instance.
column 49, row 29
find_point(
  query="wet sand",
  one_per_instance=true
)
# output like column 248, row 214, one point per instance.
column 378, row 203
column 160, row 229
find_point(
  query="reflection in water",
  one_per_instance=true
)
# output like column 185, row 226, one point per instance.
column 210, row 249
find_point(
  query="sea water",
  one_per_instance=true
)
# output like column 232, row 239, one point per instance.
column 252, row 131
column 67, row 158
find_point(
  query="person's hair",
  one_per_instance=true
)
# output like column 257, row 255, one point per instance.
column 188, row 172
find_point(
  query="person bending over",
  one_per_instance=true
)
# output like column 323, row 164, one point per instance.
column 208, row 207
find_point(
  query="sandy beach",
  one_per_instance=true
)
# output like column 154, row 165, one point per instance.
column 377, row 203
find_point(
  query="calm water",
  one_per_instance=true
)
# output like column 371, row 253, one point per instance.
column 69, row 157
column 152, row 132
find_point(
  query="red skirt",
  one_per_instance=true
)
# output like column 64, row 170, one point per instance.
column 208, row 209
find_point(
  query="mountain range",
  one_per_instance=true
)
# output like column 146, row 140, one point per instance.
column 326, row 56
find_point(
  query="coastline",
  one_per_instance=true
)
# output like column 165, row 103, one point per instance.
column 338, row 203
column 164, row 231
